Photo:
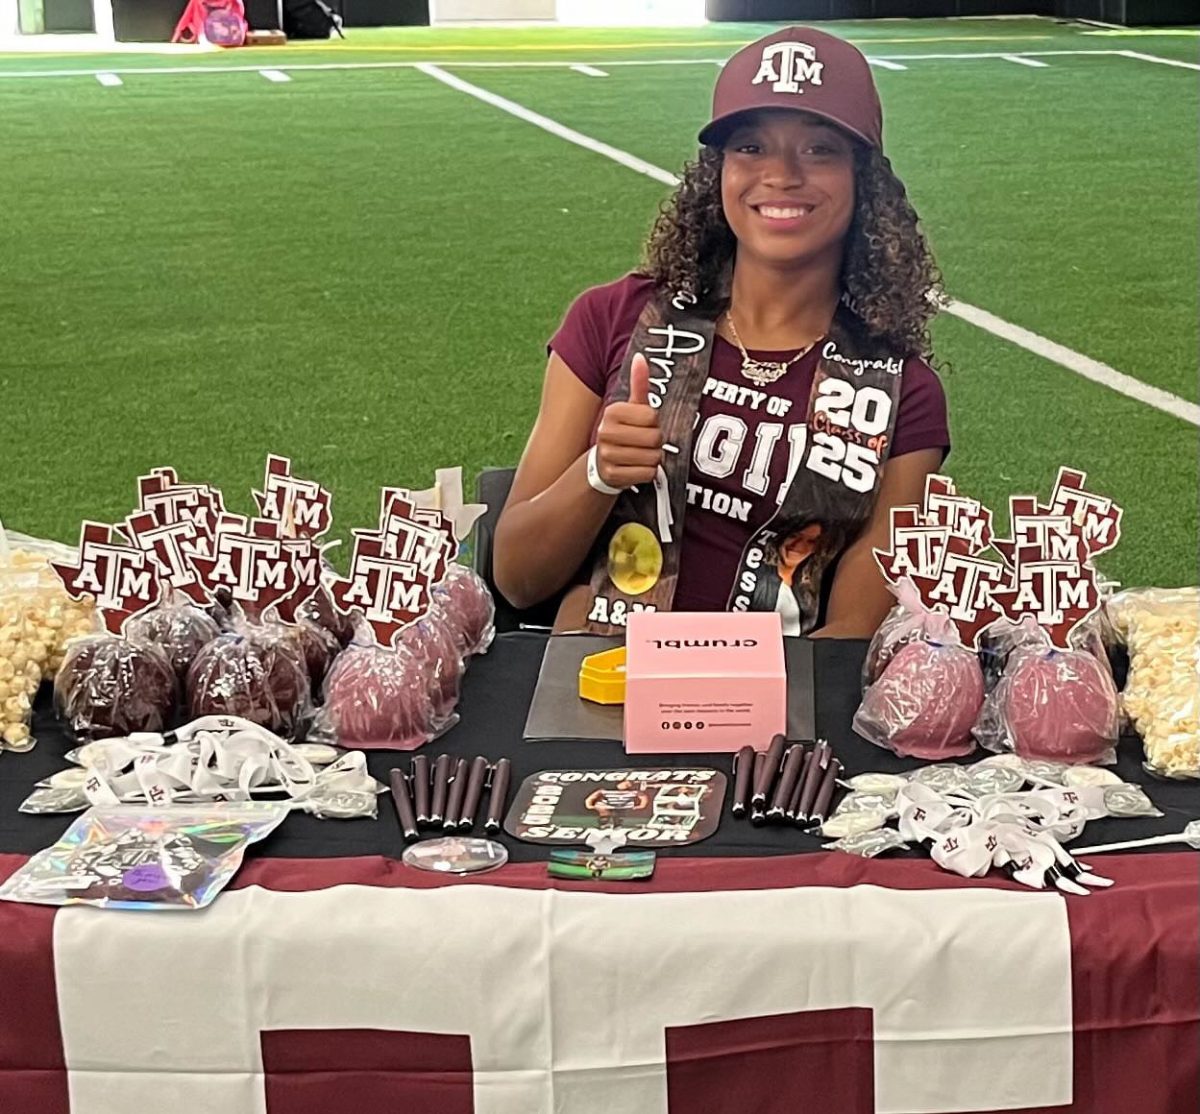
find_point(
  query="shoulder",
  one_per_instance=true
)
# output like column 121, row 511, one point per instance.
column 616, row 301
column 923, row 420
column 596, row 328
column 920, row 380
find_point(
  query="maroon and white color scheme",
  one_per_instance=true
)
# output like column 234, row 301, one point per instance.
column 394, row 568
column 124, row 582
column 937, row 547
column 1050, row 555
column 966, row 518
column 749, row 442
column 171, row 548
column 1097, row 519
column 798, row 68
column 251, row 561
column 1057, row 594
column 1046, row 575
column 815, row 981
column 304, row 507
column 182, row 540
column 161, row 493
column 304, row 559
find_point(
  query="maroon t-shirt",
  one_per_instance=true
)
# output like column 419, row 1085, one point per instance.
column 739, row 452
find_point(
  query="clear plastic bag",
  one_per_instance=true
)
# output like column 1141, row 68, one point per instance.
column 319, row 609
column 179, row 628
column 1051, row 704
column 130, row 857
column 22, row 656
column 469, row 607
column 1161, row 629
column 923, row 688
column 255, row 671
column 111, row 685
column 316, row 646
column 433, row 643
column 376, row 698
column 53, row 616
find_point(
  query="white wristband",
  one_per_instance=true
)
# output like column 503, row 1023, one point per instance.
column 593, row 476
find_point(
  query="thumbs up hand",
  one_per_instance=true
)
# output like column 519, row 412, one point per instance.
column 639, row 381
column 629, row 440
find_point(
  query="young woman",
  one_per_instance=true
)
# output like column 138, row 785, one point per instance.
column 741, row 415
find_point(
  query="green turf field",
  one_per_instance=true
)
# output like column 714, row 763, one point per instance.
column 359, row 266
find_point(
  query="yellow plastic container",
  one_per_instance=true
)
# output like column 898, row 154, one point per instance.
column 602, row 677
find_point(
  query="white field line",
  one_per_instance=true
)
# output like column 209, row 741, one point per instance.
column 1033, row 62
column 1099, row 23
column 886, row 64
column 551, row 126
column 1074, row 361
column 278, row 76
column 109, row 80
column 1051, row 350
column 589, row 71
column 1161, row 61
column 300, row 67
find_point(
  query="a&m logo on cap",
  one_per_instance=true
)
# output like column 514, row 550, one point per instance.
column 787, row 66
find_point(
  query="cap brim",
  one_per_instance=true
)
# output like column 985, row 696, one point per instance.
column 713, row 133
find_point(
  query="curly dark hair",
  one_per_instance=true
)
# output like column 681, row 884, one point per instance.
column 891, row 284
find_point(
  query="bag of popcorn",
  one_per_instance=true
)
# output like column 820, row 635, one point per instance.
column 56, row 618
column 1161, row 629
column 22, row 658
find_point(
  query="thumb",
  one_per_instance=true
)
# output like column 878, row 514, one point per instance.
column 639, row 380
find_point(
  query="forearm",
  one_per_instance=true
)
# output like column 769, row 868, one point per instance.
column 859, row 599
column 541, row 542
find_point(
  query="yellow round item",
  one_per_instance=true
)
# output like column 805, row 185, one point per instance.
column 634, row 559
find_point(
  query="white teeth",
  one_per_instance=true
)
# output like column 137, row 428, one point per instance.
column 783, row 214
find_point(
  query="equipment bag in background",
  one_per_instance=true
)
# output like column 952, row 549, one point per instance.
column 221, row 22
column 310, row 19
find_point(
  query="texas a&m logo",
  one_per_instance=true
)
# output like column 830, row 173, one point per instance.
column 394, row 568
column 249, row 562
column 787, row 66
column 303, row 506
column 161, row 493
column 1097, row 519
column 124, row 582
column 171, row 548
column 963, row 588
column 1058, row 595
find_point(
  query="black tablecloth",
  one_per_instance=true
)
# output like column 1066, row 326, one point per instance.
column 495, row 700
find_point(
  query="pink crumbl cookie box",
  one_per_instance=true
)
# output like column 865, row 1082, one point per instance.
column 703, row 681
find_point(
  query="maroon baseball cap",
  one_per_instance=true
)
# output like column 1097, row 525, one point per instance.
column 799, row 68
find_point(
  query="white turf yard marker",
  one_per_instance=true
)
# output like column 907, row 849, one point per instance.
column 109, row 80
column 1026, row 61
column 589, row 71
column 1082, row 365
column 552, row 126
column 1048, row 349
column 1161, row 61
column 884, row 64
column 277, row 76
column 533, row 64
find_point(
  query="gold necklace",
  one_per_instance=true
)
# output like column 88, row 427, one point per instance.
column 762, row 373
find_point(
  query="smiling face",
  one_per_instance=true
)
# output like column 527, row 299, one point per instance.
column 799, row 547
column 787, row 188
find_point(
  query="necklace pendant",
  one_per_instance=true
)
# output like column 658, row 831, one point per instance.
column 763, row 373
